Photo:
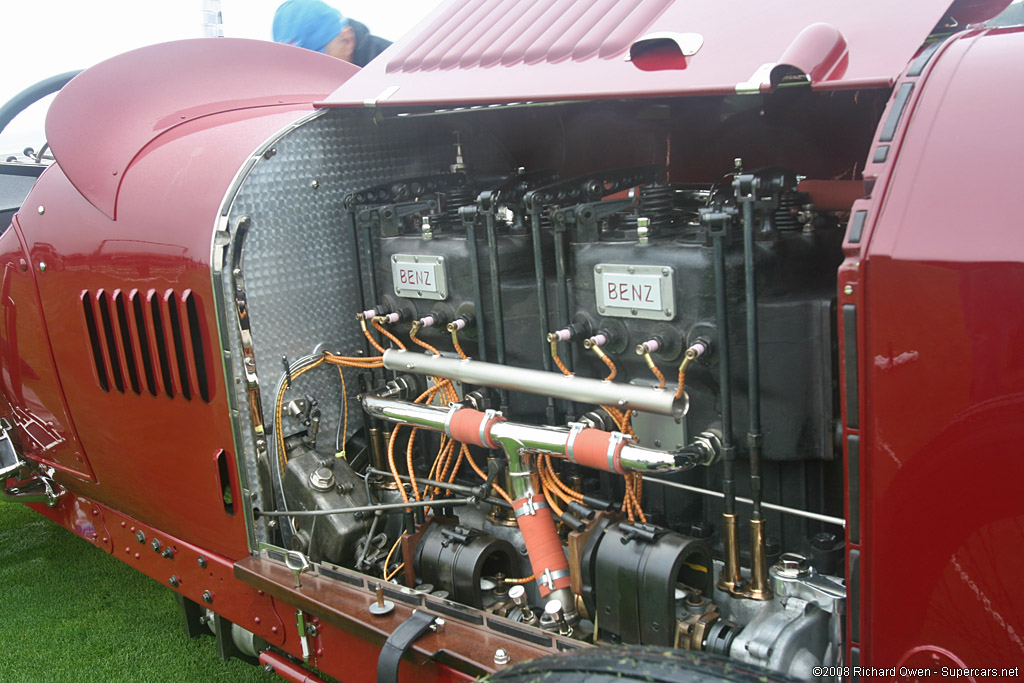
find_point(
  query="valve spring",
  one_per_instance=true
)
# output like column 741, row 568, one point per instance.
column 657, row 203
column 784, row 217
column 453, row 201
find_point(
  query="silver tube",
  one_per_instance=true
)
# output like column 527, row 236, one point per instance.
column 515, row 438
column 403, row 412
column 567, row 387
column 838, row 521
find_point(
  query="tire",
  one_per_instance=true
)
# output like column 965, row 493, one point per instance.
column 648, row 664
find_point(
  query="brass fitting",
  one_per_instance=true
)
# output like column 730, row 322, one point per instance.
column 729, row 580
column 759, row 589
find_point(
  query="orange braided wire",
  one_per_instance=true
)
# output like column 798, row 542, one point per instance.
column 408, row 463
column 455, row 343
column 394, row 340
column 373, row 342
column 416, row 340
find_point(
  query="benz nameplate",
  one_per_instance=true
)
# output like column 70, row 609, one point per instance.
column 625, row 291
column 419, row 277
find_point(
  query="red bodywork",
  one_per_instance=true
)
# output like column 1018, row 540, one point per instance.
column 935, row 283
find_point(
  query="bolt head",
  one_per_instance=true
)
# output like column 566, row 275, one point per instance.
column 155, row 544
column 848, row 290
column 41, row 209
column 173, row 581
column 201, row 562
column 140, row 536
column 207, row 597
column 501, row 656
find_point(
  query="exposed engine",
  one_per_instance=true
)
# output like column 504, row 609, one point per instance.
column 573, row 365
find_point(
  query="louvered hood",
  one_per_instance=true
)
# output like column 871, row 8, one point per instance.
column 502, row 51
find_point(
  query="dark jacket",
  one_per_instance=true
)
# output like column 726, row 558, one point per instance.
column 368, row 45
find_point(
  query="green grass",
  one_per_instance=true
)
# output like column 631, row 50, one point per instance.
column 70, row 612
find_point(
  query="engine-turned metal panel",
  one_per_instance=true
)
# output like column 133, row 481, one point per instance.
column 299, row 259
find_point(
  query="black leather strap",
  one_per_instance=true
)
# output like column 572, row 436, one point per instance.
column 398, row 642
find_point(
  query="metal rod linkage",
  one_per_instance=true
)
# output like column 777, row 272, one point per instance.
column 806, row 514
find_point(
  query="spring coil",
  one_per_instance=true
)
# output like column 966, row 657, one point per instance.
column 784, row 217
column 453, row 201
column 656, row 203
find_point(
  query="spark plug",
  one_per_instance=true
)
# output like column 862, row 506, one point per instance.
column 390, row 318
column 460, row 323
column 371, row 313
column 649, row 346
column 432, row 319
column 598, row 340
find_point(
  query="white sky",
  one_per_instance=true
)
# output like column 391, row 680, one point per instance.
column 47, row 37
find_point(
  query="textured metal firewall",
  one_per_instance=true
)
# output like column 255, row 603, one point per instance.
column 299, row 262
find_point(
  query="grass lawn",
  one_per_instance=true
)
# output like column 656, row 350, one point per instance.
column 70, row 612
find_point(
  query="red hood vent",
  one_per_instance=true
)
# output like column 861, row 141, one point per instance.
column 497, row 33
column 148, row 342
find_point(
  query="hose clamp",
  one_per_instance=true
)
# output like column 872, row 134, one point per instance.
column 574, row 430
column 549, row 577
column 490, row 415
column 452, row 409
column 529, row 507
column 614, row 448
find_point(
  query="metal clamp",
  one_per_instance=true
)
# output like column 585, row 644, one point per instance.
column 452, row 409
column 489, row 416
column 529, row 507
column 574, row 430
column 614, row 446
column 549, row 577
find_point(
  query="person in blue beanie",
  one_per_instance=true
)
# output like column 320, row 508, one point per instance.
column 317, row 26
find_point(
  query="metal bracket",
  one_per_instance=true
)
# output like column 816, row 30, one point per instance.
column 400, row 640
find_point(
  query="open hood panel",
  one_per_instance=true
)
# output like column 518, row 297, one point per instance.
column 500, row 51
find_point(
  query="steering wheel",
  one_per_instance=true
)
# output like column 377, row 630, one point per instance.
column 29, row 96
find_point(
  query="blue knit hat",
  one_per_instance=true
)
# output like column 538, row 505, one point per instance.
column 307, row 23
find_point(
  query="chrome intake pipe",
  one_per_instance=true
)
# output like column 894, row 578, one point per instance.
column 540, row 382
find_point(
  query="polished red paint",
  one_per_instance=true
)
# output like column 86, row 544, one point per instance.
column 100, row 121
column 942, row 331
column 495, row 51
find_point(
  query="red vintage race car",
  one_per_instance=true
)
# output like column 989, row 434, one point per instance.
column 567, row 340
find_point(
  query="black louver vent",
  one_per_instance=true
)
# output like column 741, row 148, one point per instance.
column 148, row 341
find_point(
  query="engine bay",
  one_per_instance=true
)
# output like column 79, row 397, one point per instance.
column 574, row 364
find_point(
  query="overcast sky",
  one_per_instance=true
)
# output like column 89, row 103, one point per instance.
column 42, row 38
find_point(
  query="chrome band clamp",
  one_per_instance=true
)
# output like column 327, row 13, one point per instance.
column 549, row 577
column 614, row 445
column 530, row 507
column 489, row 416
column 452, row 409
column 574, row 430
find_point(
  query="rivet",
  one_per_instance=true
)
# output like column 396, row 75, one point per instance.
column 42, row 266
column 848, row 289
column 273, row 629
column 256, row 620
column 23, row 265
column 315, row 184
